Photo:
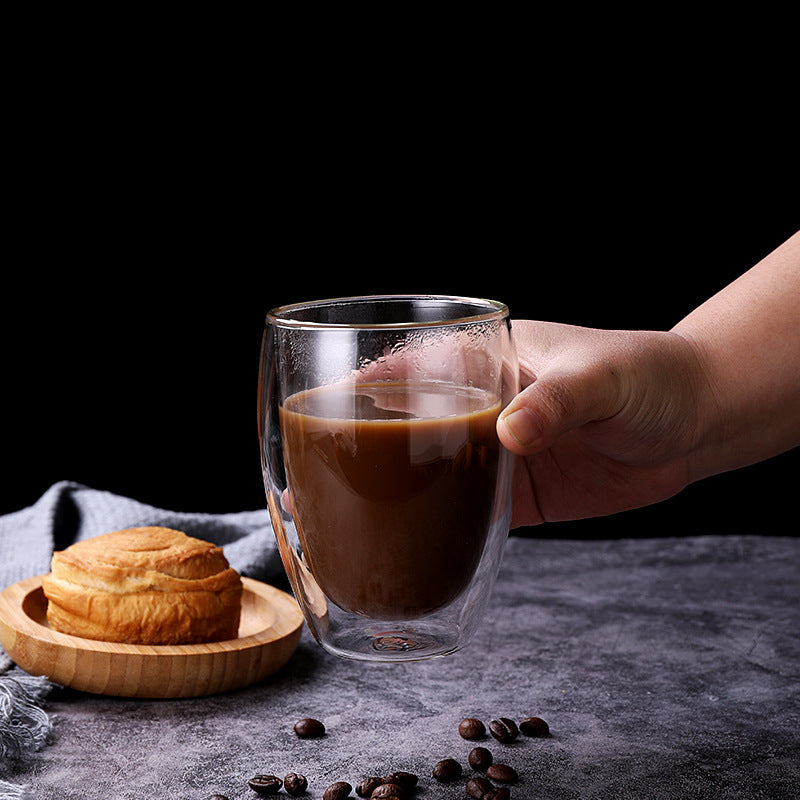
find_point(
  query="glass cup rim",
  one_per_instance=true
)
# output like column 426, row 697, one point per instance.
column 485, row 309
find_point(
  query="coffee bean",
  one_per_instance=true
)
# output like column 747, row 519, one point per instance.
column 534, row 726
column 265, row 784
column 502, row 772
column 471, row 728
column 502, row 793
column 448, row 769
column 479, row 758
column 337, row 791
column 389, row 791
column 405, row 779
column 309, row 728
column 295, row 784
column 505, row 730
column 478, row 787
column 368, row 786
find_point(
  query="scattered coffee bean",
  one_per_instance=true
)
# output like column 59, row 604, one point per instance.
column 389, row 791
column 502, row 772
column 448, row 769
column 309, row 728
column 337, row 791
column 471, row 728
column 505, row 730
column 265, row 784
column 478, row 787
column 295, row 784
column 479, row 758
column 366, row 787
column 405, row 779
column 534, row 726
column 498, row 794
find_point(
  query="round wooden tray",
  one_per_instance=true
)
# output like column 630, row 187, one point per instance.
column 269, row 632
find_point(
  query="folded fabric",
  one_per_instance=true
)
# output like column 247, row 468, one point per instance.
column 69, row 512
column 24, row 725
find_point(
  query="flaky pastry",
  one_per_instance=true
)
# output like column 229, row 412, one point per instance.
column 149, row 585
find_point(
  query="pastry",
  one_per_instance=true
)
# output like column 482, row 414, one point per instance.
column 149, row 585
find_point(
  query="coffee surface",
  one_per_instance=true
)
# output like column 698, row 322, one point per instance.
column 392, row 488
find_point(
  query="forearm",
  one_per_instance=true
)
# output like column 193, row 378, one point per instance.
column 747, row 341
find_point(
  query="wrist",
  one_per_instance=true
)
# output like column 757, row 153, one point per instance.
column 709, row 425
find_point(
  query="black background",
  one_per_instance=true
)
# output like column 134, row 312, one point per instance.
column 155, row 219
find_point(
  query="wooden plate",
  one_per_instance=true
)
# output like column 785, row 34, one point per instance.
column 269, row 632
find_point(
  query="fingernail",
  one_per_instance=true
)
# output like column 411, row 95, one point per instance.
column 523, row 426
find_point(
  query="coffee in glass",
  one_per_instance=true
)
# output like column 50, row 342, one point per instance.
column 388, row 489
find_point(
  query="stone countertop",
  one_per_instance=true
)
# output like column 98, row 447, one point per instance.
column 665, row 668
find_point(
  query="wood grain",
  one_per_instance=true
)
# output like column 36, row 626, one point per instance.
column 269, row 632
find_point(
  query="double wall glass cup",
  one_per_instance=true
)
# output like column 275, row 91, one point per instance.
column 387, row 486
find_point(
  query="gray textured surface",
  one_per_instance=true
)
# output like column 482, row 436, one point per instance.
column 666, row 668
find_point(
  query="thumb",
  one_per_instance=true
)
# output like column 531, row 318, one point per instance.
column 555, row 403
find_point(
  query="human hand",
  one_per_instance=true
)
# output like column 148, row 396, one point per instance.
column 605, row 420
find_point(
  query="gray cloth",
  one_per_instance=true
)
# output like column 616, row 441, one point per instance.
column 666, row 668
column 24, row 725
column 69, row 512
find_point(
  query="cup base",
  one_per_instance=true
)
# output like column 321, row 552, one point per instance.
column 403, row 642
column 394, row 644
